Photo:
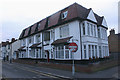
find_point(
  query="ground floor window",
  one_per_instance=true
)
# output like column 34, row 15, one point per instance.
column 96, row 50
column 89, row 48
column 22, row 54
column 100, row 53
column 32, row 53
column 92, row 51
column 59, row 52
column 85, row 54
column 62, row 52
column 93, row 55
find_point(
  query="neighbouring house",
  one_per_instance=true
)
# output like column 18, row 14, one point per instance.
column 4, row 50
column 50, row 37
column 9, row 49
column 114, row 42
column 15, row 45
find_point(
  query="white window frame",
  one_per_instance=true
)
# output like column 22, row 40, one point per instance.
column 64, row 14
column 38, row 38
column 99, row 33
column 83, row 25
column 88, row 29
column 89, row 50
column 64, row 31
column 91, row 29
column 100, row 52
column 85, row 51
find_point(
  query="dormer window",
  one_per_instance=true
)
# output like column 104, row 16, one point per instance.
column 38, row 25
column 64, row 14
column 48, row 22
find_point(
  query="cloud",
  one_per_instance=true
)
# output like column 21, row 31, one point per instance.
column 19, row 14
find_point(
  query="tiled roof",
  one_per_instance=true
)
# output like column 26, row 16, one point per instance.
column 75, row 11
column 99, row 19
column 5, row 43
column 42, row 24
column 53, row 20
column 26, row 31
column 33, row 28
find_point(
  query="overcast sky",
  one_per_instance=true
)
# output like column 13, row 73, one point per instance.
column 15, row 15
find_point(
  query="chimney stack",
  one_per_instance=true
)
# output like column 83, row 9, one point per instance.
column 13, row 40
column 112, row 31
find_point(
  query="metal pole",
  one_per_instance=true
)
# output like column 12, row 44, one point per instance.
column 73, row 67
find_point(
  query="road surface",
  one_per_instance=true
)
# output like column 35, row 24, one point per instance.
column 17, row 70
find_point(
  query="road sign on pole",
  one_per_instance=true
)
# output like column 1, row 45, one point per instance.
column 73, row 48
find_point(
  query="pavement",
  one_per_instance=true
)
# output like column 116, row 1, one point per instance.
column 17, row 70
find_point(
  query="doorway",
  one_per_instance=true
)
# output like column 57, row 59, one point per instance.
column 47, row 53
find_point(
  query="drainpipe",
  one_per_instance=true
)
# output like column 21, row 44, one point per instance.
column 80, row 40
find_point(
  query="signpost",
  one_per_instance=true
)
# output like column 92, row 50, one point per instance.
column 73, row 48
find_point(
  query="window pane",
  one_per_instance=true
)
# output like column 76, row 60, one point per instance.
column 89, row 52
column 95, row 30
column 64, row 31
column 91, row 29
column 83, row 28
column 85, row 56
column 88, row 29
column 47, row 36
column 93, row 51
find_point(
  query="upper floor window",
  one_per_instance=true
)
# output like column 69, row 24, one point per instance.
column 95, row 30
column 38, row 25
column 88, row 28
column 47, row 36
column 105, row 34
column 29, row 40
column 24, row 42
column 38, row 38
column 64, row 14
column 83, row 28
column 52, row 34
column 64, row 31
column 98, row 33
column 91, row 29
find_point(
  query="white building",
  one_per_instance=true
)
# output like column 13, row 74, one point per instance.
column 15, row 45
column 50, row 37
column 4, row 50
